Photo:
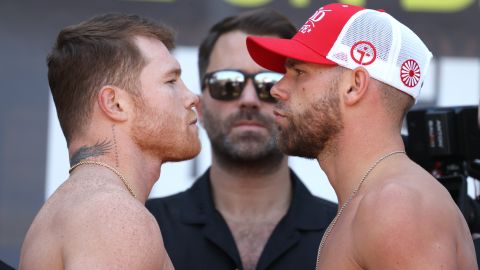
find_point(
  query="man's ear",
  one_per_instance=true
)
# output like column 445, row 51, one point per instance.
column 359, row 80
column 113, row 102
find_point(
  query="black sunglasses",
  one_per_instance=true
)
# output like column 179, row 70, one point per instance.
column 228, row 84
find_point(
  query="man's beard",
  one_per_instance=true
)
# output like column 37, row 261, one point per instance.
column 310, row 132
column 158, row 134
column 251, row 150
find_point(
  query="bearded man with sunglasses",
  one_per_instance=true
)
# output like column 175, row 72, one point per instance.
column 249, row 210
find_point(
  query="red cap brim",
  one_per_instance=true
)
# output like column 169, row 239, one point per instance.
column 271, row 53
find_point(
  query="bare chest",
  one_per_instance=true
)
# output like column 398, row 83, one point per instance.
column 337, row 255
column 250, row 238
column 338, row 251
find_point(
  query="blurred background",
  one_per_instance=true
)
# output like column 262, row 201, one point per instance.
column 33, row 154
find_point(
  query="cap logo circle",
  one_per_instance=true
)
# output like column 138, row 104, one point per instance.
column 410, row 73
column 363, row 53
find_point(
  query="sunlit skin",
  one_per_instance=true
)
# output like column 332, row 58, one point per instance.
column 309, row 131
column 92, row 221
column 388, row 223
column 165, row 123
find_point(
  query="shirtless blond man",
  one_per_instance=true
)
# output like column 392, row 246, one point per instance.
column 124, row 111
column 350, row 76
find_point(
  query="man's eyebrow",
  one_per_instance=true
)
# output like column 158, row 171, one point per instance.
column 177, row 71
column 291, row 63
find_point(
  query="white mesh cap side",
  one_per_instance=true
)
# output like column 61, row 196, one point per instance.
column 391, row 52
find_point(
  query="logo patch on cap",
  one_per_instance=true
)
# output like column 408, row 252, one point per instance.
column 410, row 73
column 315, row 18
column 363, row 53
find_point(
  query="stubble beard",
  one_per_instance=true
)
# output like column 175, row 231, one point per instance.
column 158, row 136
column 313, row 131
column 249, row 149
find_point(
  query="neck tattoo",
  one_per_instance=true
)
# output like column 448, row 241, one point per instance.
column 344, row 206
column 91, row 162
column 115, row 145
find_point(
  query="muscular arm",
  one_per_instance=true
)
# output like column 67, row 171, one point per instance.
column 115, row 233
column 401, row 228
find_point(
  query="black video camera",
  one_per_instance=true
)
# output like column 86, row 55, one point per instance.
column 446, row 143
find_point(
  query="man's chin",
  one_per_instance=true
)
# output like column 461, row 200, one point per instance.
column 185, row 154
column 293, row 148
column 302, row 152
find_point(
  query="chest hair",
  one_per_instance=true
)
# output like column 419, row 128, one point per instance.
column 250, row 238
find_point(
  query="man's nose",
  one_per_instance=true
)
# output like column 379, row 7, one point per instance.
column 249, row 97
column 278, row 90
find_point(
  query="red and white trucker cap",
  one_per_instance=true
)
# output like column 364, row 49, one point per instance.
column 351, row 36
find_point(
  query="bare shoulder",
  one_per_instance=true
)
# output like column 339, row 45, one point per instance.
column 93, row 225
column 409, row 222
column 112, row 230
